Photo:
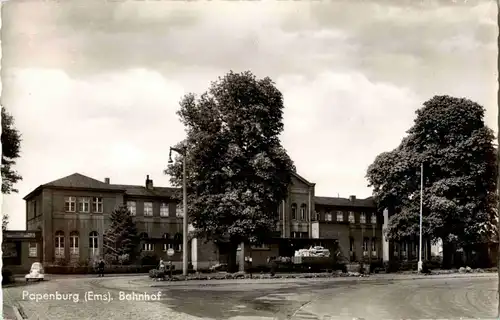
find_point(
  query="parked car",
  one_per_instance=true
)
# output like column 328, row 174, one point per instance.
column 36, row 272
column 219, row 267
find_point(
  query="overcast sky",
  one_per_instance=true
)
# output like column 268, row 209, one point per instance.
column 94, row 86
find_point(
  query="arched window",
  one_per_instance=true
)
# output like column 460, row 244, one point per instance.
column 294, row 211
column 178, row 241
column 74, row 245
column 303, row 211
column 94, row 243
column 143, row 236
column 59, row 244
column 167, row 244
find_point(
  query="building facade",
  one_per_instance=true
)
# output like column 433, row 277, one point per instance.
column 72, row 214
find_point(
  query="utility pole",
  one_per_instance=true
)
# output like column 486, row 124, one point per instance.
column 182, row 152
column 498, row 159
column 420, row 264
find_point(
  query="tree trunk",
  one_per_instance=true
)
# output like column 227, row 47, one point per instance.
column 231, row 258
column 447, row 255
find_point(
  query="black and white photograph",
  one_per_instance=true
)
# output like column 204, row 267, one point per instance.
column 250, row 160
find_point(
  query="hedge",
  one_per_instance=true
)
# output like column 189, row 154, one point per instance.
column 107, row 269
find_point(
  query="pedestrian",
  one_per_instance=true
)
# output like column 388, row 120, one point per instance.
column 101, row 268
column 273, row 266
column 161, row 270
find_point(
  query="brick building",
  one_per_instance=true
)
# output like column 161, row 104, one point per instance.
column 72, row 214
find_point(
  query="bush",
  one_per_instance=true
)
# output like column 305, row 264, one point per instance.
column 7, row 276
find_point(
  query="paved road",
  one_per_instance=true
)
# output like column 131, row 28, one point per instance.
column 431, row 298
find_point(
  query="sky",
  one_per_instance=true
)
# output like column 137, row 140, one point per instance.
column 94, row 86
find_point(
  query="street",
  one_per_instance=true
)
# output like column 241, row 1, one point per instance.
column 384, row 299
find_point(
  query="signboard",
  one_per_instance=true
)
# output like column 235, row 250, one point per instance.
column 18, row 235
column 170, row 252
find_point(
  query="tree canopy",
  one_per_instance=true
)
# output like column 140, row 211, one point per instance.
column 237, row 170
column 11, row 147
column 456, row 148
column 121, row 238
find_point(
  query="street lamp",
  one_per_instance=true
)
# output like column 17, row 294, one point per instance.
column 182, row 152
column 420, row 264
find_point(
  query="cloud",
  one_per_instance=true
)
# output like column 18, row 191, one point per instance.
column 94, row 86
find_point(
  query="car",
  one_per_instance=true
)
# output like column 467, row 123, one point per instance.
column 219, row 267
column 36, row 272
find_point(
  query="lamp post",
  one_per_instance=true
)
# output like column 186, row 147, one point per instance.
column 182, row 152
column 420, row 264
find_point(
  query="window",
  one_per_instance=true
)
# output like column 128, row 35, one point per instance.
column 297, row 234
column 97, row 208
column 404, row 250
column 164, row 210
column 374, row 247
column 70, row 204
column 352, row 250
column 294, row 211
column 83, row 205
column 167, row 246
column 73, row 243
column 143, row 236
column 374, row 218
column 328, row 216
column 131, row 206
column 362, row 218
column 59, row 244
column 303, row 212
column 148, row 208
column 340, row 216
column 33, row 250
column 316, row 216
column 365, row 247
column 179, row 247
column 93, row 243
column 147, row 247
column 351, row 217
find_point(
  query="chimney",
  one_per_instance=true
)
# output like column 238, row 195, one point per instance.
column 106, row 180
column 149, row 183
column 352, row 198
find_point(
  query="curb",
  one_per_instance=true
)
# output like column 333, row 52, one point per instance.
column 333, row 279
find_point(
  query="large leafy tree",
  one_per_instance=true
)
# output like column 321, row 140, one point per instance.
column 450, row 139
column 237, row 170
column 11, row 147
column 121, row 238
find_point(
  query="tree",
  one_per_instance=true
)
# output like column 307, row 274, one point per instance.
column 237, row 170
column 11, row 147
column 5, row 221
column 121, row 238
column 459, row 204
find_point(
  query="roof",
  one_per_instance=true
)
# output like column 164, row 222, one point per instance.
column 344, row 202
column 77, row 180
column 80, row 181
column 302, row 179
column 140, row 191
